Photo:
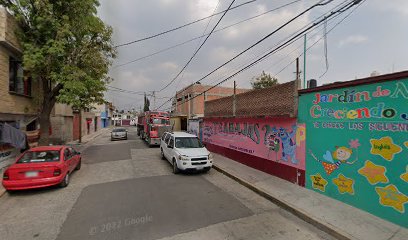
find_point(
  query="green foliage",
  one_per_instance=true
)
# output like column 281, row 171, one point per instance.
column 263, row 81
column 66, row 46
column 146, row 104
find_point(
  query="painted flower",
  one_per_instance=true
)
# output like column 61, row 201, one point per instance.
column 354, row 143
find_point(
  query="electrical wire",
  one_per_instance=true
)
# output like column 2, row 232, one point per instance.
column 320, row 3
column 182, row 26
column 195, row 38
column 198, row 43
column 341, row 10
column 195, row 52
column 307, row 49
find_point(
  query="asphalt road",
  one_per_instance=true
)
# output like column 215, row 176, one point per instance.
column 125, row 191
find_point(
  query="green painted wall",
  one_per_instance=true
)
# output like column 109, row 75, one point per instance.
column 357, row 146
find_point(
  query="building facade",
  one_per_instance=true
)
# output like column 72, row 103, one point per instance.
column 195, row 107
column 62, row 124
column 19, row 94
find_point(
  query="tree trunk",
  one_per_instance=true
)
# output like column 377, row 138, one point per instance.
column 45, row 122
column 49, row 99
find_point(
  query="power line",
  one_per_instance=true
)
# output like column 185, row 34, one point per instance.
column 264, row 38
column 182, row 26
column 195, row 38
column 341, row 10
column 195, row 52
column 123, row 90
column 198, row 43
column 331, row 29
column 320, row 3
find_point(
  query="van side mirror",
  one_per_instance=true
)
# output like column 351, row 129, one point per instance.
column 169, row 146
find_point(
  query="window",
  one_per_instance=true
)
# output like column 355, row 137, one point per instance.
column 167, row 138
column 171, row 143
column 17, row 82
column 67, row 154
column 160, row 121
column 38, row 157
column 164, row 136
column 119, row 130
column 188, row 142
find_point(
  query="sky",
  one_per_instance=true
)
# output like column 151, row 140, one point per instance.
column 373, row 37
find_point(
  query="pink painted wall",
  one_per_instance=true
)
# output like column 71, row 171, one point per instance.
column 279, row 140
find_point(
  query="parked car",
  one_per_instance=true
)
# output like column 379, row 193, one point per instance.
column 119, row 133
column 42, row 167
column 185, row 152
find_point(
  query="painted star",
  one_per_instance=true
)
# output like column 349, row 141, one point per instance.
column 318, row 182
column 384, row 147
column 404, row 176
column 374, row 173
column 390, row 196
column 406, row 144
column 344, row 184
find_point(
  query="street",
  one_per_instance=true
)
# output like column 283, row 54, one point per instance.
column 125, row 191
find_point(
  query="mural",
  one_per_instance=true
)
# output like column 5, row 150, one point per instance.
column 281, row 140
column 357, row 146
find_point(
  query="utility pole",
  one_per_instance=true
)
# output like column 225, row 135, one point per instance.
column 304, row 62
column 154, row 100
column 234, row 100
column 297, row 70
column 188, row 106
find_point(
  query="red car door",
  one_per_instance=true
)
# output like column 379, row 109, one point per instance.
column 74, row 157
column 68, row 160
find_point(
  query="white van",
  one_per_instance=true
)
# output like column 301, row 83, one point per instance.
column 185, row 152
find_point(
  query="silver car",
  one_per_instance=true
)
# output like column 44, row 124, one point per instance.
column 119, row 133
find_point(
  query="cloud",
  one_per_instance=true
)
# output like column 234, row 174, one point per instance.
column 169, row 66
column 353, row 39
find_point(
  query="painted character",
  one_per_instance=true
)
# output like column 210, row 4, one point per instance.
column 273, row 142
column 338, row 157
column 288, row 144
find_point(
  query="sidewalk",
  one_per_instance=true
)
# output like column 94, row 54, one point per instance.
column 336, row 218
column 90, row 137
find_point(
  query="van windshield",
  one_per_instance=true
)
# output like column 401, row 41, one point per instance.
column 188, row 142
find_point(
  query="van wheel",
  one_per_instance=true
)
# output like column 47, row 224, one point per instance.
column 65, row 181
column 176, row 170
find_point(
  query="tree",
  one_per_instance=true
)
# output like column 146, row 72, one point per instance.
column 67, row 48
column 146, row 104
column 263, row 81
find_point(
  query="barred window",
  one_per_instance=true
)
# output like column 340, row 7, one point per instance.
column 17, row 82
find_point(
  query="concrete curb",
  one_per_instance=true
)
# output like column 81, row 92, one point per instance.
column 2, row 192
column 324, row 226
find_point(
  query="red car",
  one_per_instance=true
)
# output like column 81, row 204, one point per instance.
column 42, row 167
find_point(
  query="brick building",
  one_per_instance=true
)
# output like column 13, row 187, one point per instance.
column 19, row 94
column 195, row 107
